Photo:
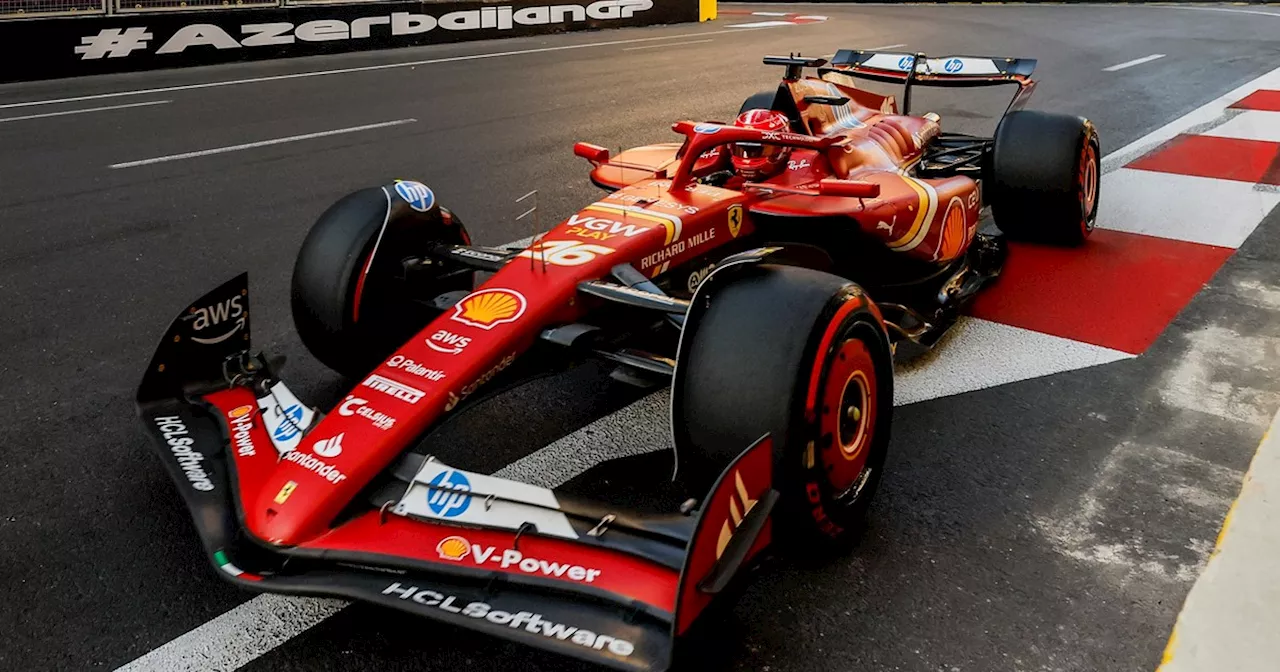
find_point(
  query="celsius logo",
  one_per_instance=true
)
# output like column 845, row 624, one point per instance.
column 219, row 313
column 448, row 342
column 417, row 195
column 289, row 428
column 447, row 495
column 331, row 447
column 354, row 405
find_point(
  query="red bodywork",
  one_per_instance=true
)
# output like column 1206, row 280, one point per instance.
column 315, row 517
column 657, row 218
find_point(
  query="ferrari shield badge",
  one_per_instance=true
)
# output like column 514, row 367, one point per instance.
column 735, row 220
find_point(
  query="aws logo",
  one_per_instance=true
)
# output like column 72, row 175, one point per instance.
column 218, row 317
column 448, row 342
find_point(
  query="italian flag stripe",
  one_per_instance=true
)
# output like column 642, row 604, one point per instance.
column 220, row 557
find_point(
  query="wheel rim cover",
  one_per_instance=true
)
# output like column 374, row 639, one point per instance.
column 1088, row 184
column 847, row 418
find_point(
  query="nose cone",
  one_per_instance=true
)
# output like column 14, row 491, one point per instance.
column 292, row 507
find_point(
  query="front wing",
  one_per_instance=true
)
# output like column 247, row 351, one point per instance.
column 610, row 586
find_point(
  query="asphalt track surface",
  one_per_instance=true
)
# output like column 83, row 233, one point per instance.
column 964, row 566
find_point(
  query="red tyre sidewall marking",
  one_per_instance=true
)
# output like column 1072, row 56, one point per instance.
column 355, row 300
column 852, row 378
column 1088, row 185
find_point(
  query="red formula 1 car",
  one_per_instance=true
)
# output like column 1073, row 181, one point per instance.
column 767, row 269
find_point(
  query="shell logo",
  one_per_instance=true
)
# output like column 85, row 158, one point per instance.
column 488, row 308
column 240, row 411
column 453, row 548
column 954, row 231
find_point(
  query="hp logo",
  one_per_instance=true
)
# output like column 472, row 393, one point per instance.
column 953, row 65
column 417, row 195
column 289, row 426
column 448, row 495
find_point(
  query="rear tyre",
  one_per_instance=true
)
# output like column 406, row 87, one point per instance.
column 802, row 355
column 353, row 308
column 1044, row 177
column 759, row 101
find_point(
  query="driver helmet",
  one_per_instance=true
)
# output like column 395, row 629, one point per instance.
column 755, row 161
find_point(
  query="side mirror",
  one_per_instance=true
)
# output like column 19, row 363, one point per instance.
column 593, row 153
column 850, row 188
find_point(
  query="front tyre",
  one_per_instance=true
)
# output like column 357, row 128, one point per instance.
column 802, row 355
column 353, row 304
column 1044, row 177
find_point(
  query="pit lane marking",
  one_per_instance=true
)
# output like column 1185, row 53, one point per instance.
column 368, row 68
column 260, row 143
column 83, row 111
column 1129, row 64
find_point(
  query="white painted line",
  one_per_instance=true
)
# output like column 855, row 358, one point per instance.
column 1130, row 64
column 368, row 68
column 978, row 354
column 1250, row 125
column 762, row 24
column 261, row 143
column 666, row 46
column 90, row 109
column 1183, row 207
column 768, row 14
column 1230, row 620
column 239, row 636
column 1211, row 114
column 887, row 46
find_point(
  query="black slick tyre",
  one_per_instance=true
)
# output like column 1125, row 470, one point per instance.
column 353, row 308
column 762, row 100
column 1044, row 177
column 801, row 355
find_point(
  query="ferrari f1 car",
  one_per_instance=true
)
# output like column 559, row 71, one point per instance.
column 773, row 305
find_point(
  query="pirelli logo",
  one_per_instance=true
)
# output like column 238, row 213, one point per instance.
column 392, row 388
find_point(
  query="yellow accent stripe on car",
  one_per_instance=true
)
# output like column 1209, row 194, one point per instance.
column 673, row 224
column 924, row 216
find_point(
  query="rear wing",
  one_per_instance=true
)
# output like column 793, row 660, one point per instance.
column 945, row 71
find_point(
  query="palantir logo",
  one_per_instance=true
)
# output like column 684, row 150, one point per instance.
column 448, row 496
column 417, row 195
